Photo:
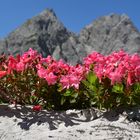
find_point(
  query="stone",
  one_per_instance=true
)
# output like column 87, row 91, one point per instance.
column 46, row 34
column 21, row 122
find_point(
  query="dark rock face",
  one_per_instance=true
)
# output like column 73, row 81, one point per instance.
column 47, row 34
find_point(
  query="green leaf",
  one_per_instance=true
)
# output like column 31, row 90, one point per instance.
column 91, row 82
column 63, row 99
column 118, row 100
column 137, row 87
column 92, row 78
column 67, row 93
column 72, row 101
column 93, row 88
column 129, row 100
column 60, row 88
column 118, row 88
column 75, row 95
column 86, row 83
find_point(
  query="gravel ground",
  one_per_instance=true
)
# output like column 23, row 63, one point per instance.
column 21, row 123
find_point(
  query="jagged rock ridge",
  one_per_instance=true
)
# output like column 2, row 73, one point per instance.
column 48, row 35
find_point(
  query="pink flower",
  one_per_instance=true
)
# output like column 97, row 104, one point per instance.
column 137, row 73
column 70, row 81
column 63, row 65
column 39, row 66
column 2, row 73
column 47, row 60
column 65, row 82
column 30, row 57
column 20, row 66
column 74, row 81
column 41, row 73
column 51, row 78
column 130, row 79
column 92, row 59
column 25, row 58
column 12, row 62
column 115, row 77
column 32, row 53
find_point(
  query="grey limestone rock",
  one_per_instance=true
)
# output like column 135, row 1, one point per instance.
column 111, row 33
column 43, row 32
column 48, row 36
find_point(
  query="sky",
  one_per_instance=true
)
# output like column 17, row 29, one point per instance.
column 74, row 14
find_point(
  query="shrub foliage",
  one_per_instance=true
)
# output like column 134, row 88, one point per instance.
column 101, row 81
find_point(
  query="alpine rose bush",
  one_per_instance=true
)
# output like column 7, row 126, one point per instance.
column 101, row 81
column 118, row 67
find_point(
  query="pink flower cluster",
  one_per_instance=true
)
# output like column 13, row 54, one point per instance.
column 118, row 66
column 19, row 63
column 48, row 68
column 58, row 71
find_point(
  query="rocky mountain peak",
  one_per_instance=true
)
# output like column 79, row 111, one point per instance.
column 47, row 35
column 111, row 20
column 110, row 33
column 48, row 13
column 43, row 32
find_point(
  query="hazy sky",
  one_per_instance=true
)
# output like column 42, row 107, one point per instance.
column 74, row 14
